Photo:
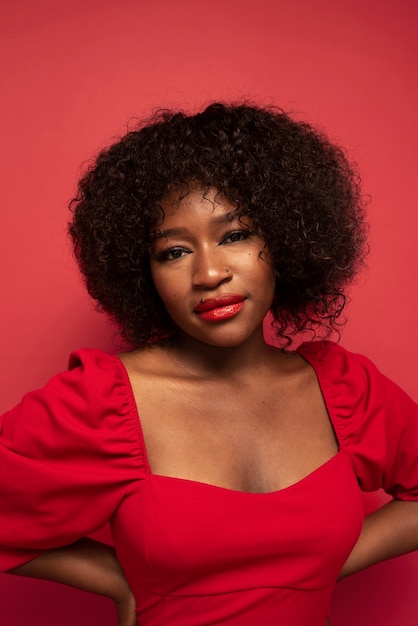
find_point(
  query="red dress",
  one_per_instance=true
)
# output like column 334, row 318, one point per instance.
column 72, row 457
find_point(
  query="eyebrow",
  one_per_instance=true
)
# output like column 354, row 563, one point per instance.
column 231, row 216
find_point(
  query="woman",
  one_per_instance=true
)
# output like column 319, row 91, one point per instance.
column 230, row 470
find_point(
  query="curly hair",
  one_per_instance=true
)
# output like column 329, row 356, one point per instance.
column 299, row 190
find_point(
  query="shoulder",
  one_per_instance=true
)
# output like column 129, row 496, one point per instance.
column 92, row 393
column 94, row 385
column 350, row 382
column 334, row 357
column 375, row 421
column 357, row 394
column 84, row 415
column 348, row 375
column 343, row 376
column 93, row 362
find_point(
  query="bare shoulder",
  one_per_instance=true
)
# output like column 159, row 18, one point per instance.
column 290, row 368
column 150, row 360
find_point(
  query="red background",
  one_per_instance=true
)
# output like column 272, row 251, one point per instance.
column 75, row 72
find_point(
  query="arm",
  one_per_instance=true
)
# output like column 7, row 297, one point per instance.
column 88, row 565
column 390, row 531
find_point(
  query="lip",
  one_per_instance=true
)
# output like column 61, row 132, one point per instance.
column 224, row 300
column 221, row 308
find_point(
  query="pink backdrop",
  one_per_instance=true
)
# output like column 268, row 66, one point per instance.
column 75, row 72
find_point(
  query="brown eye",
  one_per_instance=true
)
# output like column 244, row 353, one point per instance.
column 236, row 235
column 172, row 254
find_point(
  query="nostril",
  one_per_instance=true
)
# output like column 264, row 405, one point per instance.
column 210, row 275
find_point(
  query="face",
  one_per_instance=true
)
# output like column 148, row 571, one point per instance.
column 211, row 270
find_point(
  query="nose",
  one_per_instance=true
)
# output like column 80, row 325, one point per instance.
column 210, row 270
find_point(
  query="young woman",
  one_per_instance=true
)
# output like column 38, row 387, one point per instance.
column 230, row 470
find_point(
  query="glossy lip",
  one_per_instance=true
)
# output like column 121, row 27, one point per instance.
column 224, row 300
column 221, row 313
column 221, row 308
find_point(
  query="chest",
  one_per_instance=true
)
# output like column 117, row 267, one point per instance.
column 258, row 437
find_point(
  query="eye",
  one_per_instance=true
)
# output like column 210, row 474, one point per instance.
column 237, row 235
column 172, row 254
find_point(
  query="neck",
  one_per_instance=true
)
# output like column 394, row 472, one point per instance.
column 202, row 359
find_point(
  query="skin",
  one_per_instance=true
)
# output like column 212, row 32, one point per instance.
column 219, row 384
column 205, row 249
column 88, row 565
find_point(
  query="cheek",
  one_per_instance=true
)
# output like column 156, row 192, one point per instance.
column 159, row 283
column 260, row 267
column 167, row 288
column 267, row 279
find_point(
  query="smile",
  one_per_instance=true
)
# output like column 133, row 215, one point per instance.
column 220, row 308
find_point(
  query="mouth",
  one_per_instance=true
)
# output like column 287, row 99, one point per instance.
column 221, row 308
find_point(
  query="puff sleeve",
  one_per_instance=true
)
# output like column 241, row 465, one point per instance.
column 375, row 421
column 67, row 455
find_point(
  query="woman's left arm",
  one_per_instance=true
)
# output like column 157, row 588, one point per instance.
column 88, row 565
column 390, row 531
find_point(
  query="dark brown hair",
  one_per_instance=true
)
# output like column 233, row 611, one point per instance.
column 299, row 190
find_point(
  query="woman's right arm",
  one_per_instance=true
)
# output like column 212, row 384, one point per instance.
column 88, row 565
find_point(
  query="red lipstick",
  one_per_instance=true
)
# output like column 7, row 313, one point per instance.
column 221, row 308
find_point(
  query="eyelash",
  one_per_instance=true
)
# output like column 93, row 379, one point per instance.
column 243, row 235
column 166, row 255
